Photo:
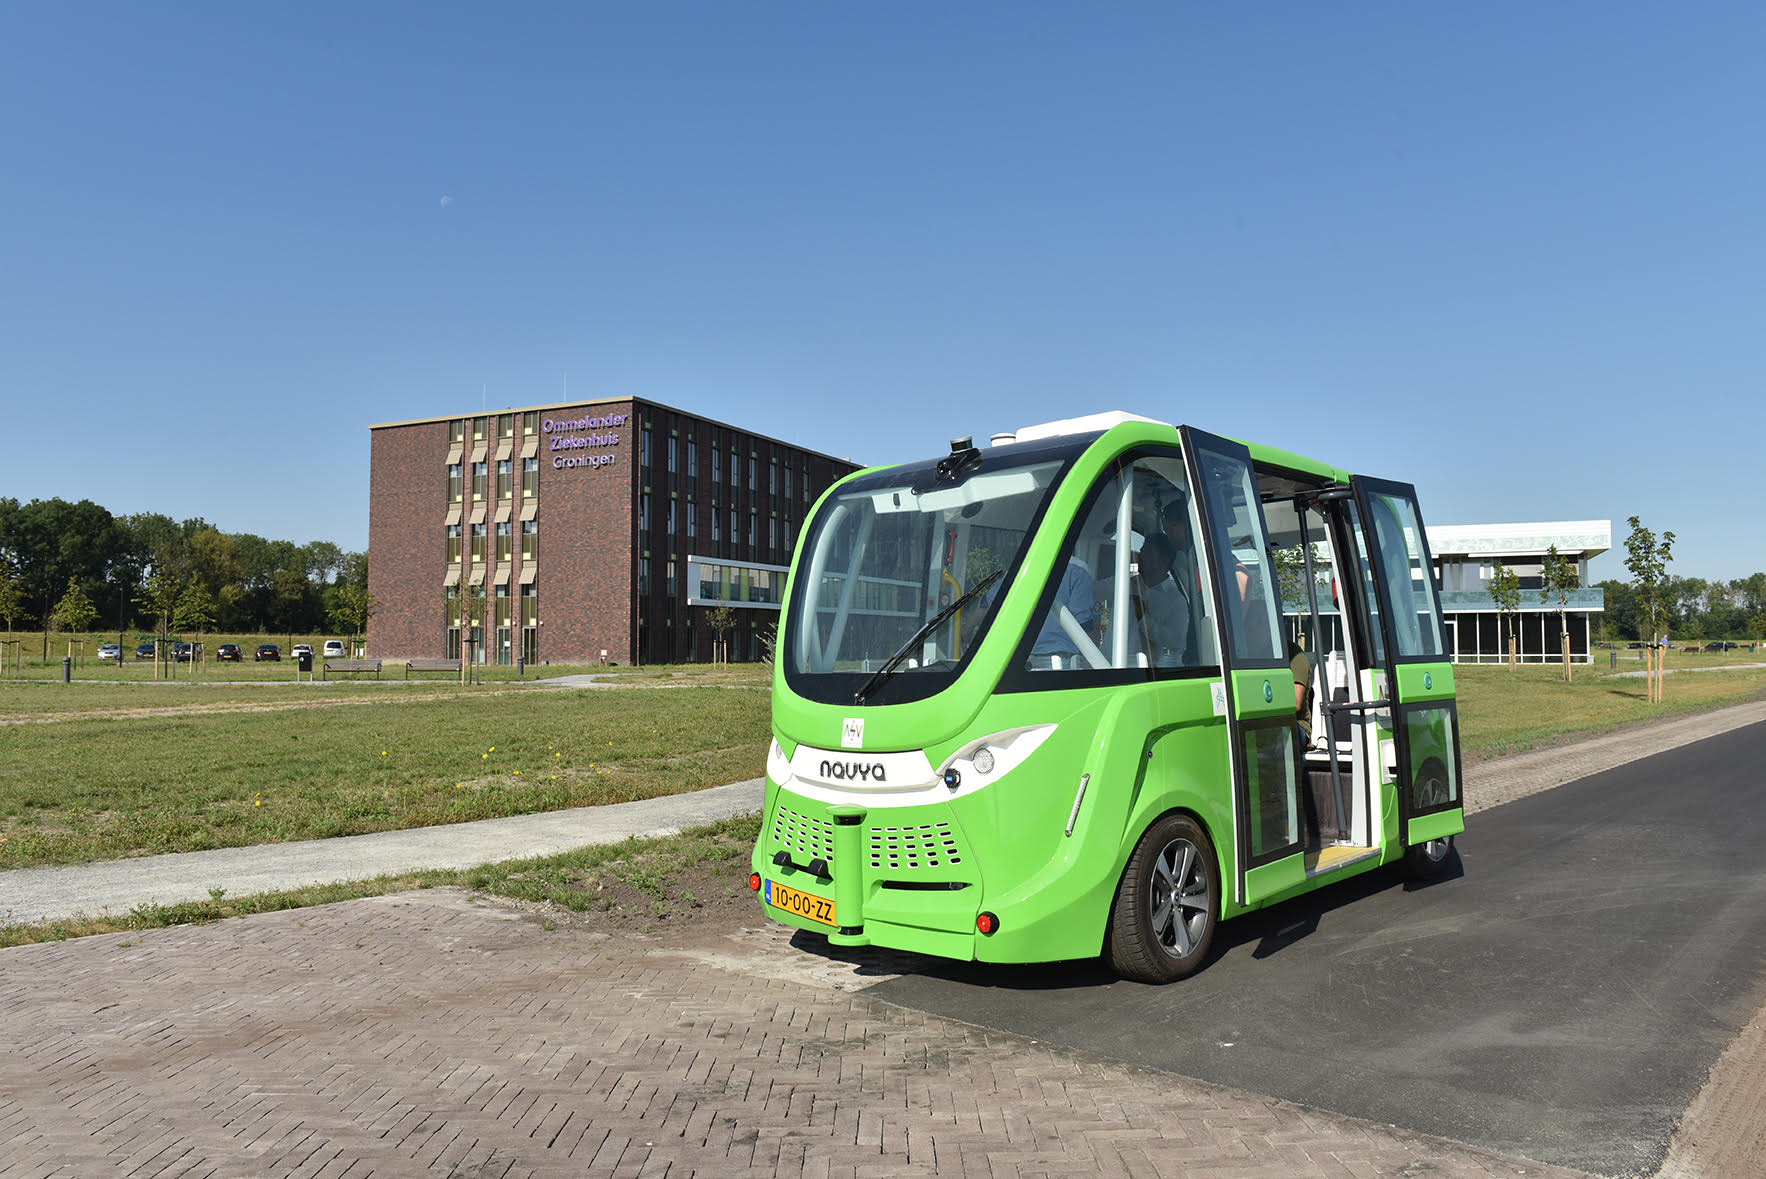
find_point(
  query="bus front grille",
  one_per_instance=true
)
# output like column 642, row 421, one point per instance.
column 914, row 848
column 806, row 838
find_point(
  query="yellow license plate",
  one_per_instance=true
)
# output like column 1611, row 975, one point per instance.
column 800, row 903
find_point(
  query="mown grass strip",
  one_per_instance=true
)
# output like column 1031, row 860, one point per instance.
column 1503, row 711
column 96, row 789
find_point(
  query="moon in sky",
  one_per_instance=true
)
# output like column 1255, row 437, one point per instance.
column 446, row 201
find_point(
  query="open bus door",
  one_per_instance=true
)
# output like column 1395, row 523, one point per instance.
column 1424, row 765
column 1258, row 687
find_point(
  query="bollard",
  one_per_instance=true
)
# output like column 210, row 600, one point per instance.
column 520, row 667
column 1612, row 660
column 849, row 888
column 67, row 670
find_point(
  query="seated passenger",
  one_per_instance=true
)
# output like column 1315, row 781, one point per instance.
column 1161, row 608
column 1054, row 647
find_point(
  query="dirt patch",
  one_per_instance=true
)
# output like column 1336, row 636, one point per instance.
column 659, row 898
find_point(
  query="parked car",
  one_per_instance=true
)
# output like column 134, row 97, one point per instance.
column 227, row 653
column 333, row 649
column 144, row 651
column 267, row 651
column 1719, row 646
column 299, row 649
column 111, row 651
column 183, row 652
column 1635, row 646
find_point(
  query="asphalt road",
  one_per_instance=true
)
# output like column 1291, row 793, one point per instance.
column 1562, row 997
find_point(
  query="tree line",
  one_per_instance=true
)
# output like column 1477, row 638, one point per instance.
column 77, row 567
column 1691, row 607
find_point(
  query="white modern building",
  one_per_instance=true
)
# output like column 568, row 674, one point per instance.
column 1466, row 558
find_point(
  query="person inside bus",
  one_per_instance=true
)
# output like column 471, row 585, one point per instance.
column 1300, row 663
column 1186, row 577
column 1054, row 647
column 1160, row 606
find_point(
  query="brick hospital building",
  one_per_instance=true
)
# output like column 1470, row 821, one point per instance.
column 576, row 532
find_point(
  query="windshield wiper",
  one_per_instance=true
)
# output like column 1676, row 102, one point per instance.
column 932, row 624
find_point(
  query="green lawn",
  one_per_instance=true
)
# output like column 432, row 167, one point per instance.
column 108, row 785
column 1503, row 711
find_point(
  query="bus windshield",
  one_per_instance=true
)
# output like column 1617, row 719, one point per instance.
column 890, row 551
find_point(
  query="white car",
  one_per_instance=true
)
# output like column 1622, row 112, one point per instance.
column 295, row 651
column 111, row 651
column 334, row 649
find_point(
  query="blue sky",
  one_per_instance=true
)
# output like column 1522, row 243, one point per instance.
column 1514, row 253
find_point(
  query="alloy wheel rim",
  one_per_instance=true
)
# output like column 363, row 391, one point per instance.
column 1179, row 895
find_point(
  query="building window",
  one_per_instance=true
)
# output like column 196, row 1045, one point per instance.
column 503, row 535
column 477, row 543
column 717, row 465
column 502, row 605
column 530, row 422
column 530, row 605
column 772, row 478
column 717, row 531
column 753, row 527
column 530, row 477
column 506, row 425
column 478, row 429
column 530, row 540
column 671, row 454
column 457, row 430
column 787, row 482
column 692, row 521
column 734, row 534
column 669, row 582
column 454, row 483
column 503, row 478
column 692, row 458
column 453, row 544
column 772, row 533
column 671, row 520
column 753, row 475
column 480, row 476
column 644, row 448
column 735, row 471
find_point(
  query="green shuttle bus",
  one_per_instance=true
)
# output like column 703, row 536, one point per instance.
column 1094, row 688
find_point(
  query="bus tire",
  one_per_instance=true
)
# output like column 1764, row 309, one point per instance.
column 1428, row 861
column 1167, row 904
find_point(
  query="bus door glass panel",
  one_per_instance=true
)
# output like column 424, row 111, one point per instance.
column 1419, row 679
column 1259, row 684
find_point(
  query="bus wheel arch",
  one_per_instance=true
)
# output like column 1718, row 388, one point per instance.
column 1167, row 902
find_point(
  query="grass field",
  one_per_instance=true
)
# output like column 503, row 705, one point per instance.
column 75, row 788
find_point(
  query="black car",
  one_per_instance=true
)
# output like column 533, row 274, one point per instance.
column 227, row 653
column 269, row 651
column 144, row 651
column 1719, row 646
column 183, row 652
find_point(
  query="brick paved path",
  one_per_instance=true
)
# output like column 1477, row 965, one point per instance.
column 436, row 1034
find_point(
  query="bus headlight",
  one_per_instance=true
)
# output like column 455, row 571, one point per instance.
column 983, row 760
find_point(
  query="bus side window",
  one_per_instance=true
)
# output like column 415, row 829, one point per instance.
column 1068, row 632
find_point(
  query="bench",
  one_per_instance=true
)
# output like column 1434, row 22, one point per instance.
column 449, row 665
column 354, row 666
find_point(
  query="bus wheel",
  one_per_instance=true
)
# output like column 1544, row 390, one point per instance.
column 1167, row 905
column 1427, row 861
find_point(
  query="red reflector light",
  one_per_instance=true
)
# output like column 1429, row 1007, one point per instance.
column 987, row 923
column 754, row 881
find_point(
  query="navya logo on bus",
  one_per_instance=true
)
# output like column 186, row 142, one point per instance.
column 852, row 771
